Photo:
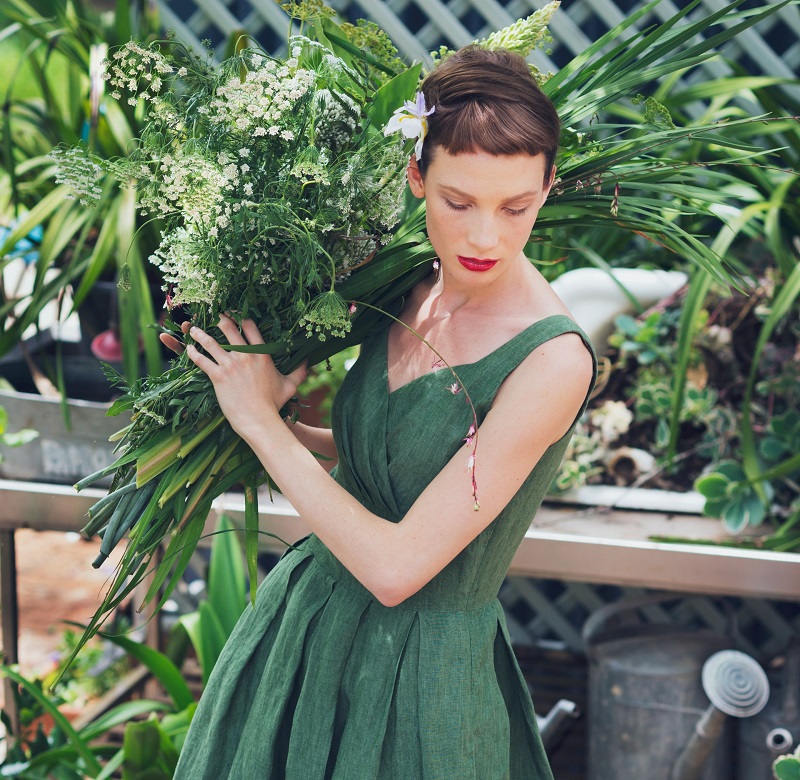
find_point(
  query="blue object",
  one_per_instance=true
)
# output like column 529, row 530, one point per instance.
column 27, row 248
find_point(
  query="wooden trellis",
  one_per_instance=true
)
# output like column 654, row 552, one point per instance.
column 552, row 613
column 420, row 26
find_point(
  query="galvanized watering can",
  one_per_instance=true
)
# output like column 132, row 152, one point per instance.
column 660, row 699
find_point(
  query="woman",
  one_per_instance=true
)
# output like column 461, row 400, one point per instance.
column 377, row 647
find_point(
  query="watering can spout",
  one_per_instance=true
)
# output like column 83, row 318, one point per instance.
column 736, row 686
column 692, row 759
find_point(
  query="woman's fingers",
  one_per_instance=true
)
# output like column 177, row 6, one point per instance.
column 200, row 360
column 208, row 344
column 171, row 343
column 250, row 329
column 298, row 376
column 228, row 327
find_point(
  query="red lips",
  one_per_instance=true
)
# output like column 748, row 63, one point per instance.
column 475, row 264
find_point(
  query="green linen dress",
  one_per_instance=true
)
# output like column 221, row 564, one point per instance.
column 319, row 680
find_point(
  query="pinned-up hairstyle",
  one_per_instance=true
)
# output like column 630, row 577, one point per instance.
column 487, row 100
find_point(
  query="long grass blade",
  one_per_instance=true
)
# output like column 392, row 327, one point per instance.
column 781, row 306
column 83, row 750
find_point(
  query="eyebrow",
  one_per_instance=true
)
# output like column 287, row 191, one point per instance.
column 456, row 191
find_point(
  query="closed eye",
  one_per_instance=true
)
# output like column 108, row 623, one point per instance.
column 463, row 207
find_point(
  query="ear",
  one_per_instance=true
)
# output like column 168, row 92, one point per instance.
column 549, row 183
column 415, row 181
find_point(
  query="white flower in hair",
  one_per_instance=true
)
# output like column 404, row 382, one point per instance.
column 411, row 120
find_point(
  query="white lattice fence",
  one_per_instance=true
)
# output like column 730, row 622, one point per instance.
column 552, row 613
column 419, row 26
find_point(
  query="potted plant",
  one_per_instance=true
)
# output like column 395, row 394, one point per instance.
column 699, row 390
column 61, row 49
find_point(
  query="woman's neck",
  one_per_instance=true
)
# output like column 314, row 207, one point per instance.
column 449, row 294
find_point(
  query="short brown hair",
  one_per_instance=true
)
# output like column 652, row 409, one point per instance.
column 487, row 100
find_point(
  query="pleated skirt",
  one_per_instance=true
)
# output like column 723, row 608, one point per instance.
column 319, row 680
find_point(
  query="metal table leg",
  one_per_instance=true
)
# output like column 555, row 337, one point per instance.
column 10, row 617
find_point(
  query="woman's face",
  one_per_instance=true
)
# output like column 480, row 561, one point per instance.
column 480, row 209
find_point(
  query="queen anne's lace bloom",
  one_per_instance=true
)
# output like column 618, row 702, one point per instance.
column 187, row 265
column 261, row 100
column 269, row 186
column 79, row 172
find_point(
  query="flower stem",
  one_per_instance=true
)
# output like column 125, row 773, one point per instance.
column 157, row 459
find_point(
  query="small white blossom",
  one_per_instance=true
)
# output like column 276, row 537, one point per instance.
column 613, row 419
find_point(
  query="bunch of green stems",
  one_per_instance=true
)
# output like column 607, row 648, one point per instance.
column 167, row 476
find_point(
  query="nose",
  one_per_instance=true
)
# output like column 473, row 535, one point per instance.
column 484, row 234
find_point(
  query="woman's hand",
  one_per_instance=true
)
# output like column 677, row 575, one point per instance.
column 248, row 386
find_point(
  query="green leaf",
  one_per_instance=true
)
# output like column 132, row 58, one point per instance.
column 714, row 507
column 191, row 625
column 251, row 534
column 746, row 508
column 226, row 580
column 698, row 289
column 162, row 668
column 121, row 714
column 771, row 448
column 735, row 516
column 786, row 768
column 80, row 745
column 182, row 545
column 781, row 307
column 101, row 252
column 149, row 752
column 712, row 485
column 142, row 744
column 731, row 470
column 38, row 215
column 213, row 637
column 392, row 95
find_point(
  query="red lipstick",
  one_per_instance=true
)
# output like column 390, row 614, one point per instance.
column 475, row 264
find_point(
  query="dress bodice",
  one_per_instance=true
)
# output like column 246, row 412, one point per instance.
column 391, row 445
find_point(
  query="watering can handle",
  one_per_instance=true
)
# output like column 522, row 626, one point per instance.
column 600, row 617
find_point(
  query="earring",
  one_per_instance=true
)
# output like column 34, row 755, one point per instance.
column 436, row 265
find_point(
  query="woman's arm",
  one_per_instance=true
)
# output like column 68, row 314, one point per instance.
column 535, row 407
column 316, row 440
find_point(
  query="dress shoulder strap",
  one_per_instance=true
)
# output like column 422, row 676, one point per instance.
column 516, row 349
column 507, row 357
